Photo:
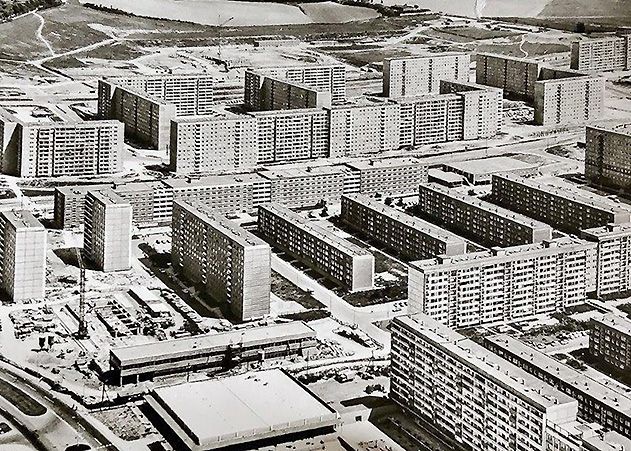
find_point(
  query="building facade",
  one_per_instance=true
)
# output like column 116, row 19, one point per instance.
column 602, row 54
column 430, row 119
column 22, row 255
column 486, row 223
column 232, row 264
column 35, row 141
column 603, row 404
column 271, row 93
column 479, row 400
column 610, row 340
column 407, row 77
column 516, row 76
column 407, row 235
column 107, row 230
column 563, row 208
column 390, row 176
column 608, row 156
column 322, row 250
column 502, row 285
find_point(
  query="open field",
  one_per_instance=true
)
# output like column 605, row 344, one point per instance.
column 329, row 12
column 22, row 401
column 19, row 41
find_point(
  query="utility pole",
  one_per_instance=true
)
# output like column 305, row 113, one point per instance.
column 221, row 24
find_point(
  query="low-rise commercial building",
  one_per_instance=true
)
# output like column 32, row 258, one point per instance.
column 602, row 54
column 232, row 264
column 610, row 340
column 613, row 264
column 216, row 351
column 407, row 235
column 476, row 398
column 412, row 76
column 22, row 255
column 603, row 404
column 324, row 79
column 563, row 208
column 486, row 223
column 107, row 230
column 362, row 128
column 480, row 172
column 44, row 141
column 147, row 104
column 502, row 285
column 608, row 156
column 243, row 412
column 390, row 175
column 322, row 250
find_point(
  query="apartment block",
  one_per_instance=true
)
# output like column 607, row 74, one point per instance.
column 232, row 264
column 563, row 208
column 390, row 175
column 45, row 141
column 322, row 250
column 608, row 156
column 324, row 79
column 407, row 235
column 502, row 285
column 219, row 142
column 429, row 119
column 610, row 340
column 486, row 223
column 602, row 54
column 147, row 104
column 613, row 258
column 107, row 230
column 291, row 135
column 306, row 187
column 482, row 108
column 22, row 255
column 269, row 93
column 408, row 77
column 362, row 128
column 477, row 399
column 516, row 76
column 568, row 97
column 608, row 405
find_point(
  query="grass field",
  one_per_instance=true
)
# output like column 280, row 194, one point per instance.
column 532, row 48
column 23, row 402
column 476, row 33
column 18, row 39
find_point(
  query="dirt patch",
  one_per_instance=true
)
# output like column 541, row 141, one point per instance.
column 23, row 402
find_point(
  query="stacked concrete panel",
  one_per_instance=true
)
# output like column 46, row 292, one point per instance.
column 516, row 76
column 610, row 340
column 613, row 264
column 602, row 54
column 390, row 176
column 280, row 94
column 608, row 156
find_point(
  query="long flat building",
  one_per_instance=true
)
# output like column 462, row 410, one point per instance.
column 141, row 362
column 232, row 264
column 407, row 235
column 147, row 104
column 274, row 93
column 319, row 248
column 613, row 264
column 567, row 209
column 44, row 141
column 22, row 255
column 602, row 54
column 474, row 397
column 597, row 402
column 516, row 76
column 412, row 76
column 608, row 156
column 390, row 175
column 241, row 410
column 502, row 285
column 484, row 222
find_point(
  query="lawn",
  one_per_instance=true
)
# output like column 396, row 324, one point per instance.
column 24, row 403
column 287, row 291
column 18, row 39
column 476, row 33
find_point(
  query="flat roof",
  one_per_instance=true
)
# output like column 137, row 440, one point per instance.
column 22, row 219
column 562, row 190
column 489, row 165
column 429, row 55
column 607, row 232
column 498, row 255
column 290, row 112
column 222, row 225
column 618, row 323
column 501, row 371
column 272, row 173
column 486, row 206
column 214, row 180
column 607, row 441
column 448, row 177
column 107, row 196
column 614, row 398
column 215, row 114
column 621, row 129
column 243, row 408
column 34, row 114
column 315, row 230
column 412, row 221
column 379, row 163
column 185, row 346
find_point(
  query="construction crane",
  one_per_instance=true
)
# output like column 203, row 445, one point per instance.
column 82, row 333
column 221, row 24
